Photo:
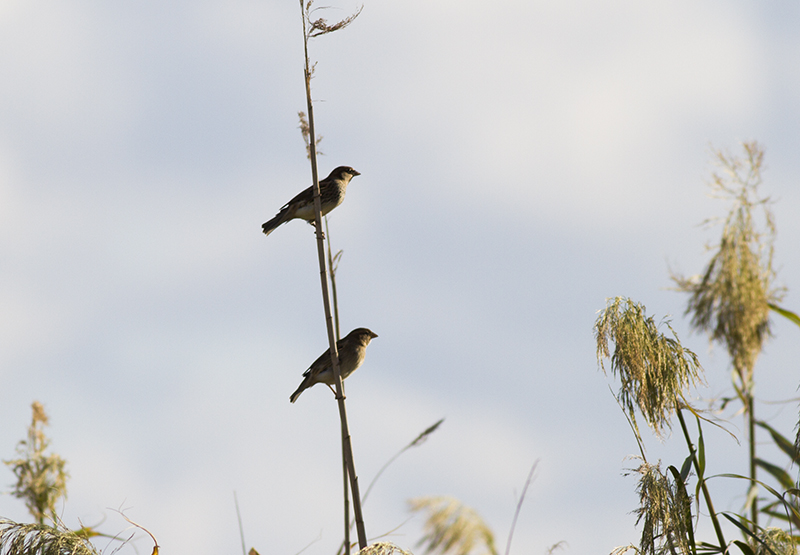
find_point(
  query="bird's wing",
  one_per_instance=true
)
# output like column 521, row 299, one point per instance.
column 305, row 196
column 319, row 365
column 324, row 360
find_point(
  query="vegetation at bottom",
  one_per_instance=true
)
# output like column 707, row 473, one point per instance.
column 732, row 301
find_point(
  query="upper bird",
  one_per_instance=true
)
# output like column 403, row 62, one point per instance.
column 352, row 349
column 331, row 195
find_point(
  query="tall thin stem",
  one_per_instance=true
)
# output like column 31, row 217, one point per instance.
column 345, row 485
column 346, row 489
column 519, row 507
column 751, row 426
column 332, row 271
column 239, row 518
column 346, row 440
column 699, row 472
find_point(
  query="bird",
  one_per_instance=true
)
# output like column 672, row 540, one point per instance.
column 331, row 193
column 352, row 349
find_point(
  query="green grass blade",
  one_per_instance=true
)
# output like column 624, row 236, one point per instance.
column 777, row 472
column 785, row 313
column 782, row 442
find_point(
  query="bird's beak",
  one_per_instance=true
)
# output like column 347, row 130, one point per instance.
column 355, row 173
column 373, row 335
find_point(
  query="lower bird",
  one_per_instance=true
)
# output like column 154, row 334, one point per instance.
column 331, row 195
column 352, row 349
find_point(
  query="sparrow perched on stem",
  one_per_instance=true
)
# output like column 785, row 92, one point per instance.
column 352, row 349
column 331, row 195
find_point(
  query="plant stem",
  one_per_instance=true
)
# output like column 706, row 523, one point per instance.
column 519, row 507
column 345, row 485
column 751, row 426
column 239, row 518
column 347, row 446
column 706, row 495
column 332, row 271
column 346, row 503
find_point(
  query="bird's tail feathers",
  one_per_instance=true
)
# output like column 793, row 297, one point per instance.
column 296, row 394
column 282, row 217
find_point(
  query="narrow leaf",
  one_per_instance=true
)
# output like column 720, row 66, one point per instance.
column 701, row 450
column 747, row 532
column 775, row 514
column 784, row 444
column 686, row 468
column 709, row 548
column 777, row 472
column 679, row 482
column 739, row 525
column 785, row 313
column 746, row 549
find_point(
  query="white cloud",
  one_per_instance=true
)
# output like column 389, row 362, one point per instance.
column 576, row 108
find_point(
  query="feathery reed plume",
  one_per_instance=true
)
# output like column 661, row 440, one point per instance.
column 731, row 300
column 653, row 369
column 452, row 528
column 40, row 539
column 41, row 478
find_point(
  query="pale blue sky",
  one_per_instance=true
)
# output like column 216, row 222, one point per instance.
column 521, row 162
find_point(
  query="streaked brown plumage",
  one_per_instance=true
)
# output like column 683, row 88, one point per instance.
column 352, row 349
column 331, row 194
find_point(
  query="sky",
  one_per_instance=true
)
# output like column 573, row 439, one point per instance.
column 521, row 162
